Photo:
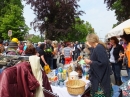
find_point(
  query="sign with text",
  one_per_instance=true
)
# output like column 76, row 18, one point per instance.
column 10, row 33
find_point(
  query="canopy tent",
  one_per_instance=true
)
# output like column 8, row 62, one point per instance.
column 120, row 29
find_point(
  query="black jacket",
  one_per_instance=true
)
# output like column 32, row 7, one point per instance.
column 116, row 52
column 100, row 70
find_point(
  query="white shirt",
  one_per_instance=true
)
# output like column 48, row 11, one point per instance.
column 112, row 59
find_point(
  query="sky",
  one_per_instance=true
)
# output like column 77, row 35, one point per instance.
column 96, row 14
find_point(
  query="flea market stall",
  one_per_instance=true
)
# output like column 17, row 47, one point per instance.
column 68, row 81
column 120, row 29
column 64, row 81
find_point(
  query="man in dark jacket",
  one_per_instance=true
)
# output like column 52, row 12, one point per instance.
column 77, row 50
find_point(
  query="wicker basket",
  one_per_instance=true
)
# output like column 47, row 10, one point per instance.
column 75, row 87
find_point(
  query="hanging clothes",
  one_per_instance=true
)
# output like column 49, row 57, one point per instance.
column 36, row 69
column 18, row 81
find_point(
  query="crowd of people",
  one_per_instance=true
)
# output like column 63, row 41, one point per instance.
column 49, row 51
column 100, row 56
column 119, row 56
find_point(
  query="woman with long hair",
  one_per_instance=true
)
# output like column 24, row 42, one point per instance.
column 100, row 70
column 30, row 50
column 55, row 53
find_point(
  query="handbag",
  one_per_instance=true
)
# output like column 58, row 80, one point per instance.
column 47, row 69
column 100, row 92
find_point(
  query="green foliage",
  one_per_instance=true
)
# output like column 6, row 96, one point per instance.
column 79, row 31
column 114, row 25
column 56, row 17
column 36, row 39
column 121, row 8
column 11, row 18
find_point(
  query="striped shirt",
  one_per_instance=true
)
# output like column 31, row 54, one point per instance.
column 67, row 51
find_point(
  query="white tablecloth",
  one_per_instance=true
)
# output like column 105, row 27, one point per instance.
column 62, row 91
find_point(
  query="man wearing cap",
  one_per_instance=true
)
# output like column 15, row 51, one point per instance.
column 38, row 47
column 12, row 48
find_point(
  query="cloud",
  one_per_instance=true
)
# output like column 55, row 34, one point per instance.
column 29, row 17
column 96, row 14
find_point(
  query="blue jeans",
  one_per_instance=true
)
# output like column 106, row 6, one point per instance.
column 116, row 67
column 128, row 71
column 76, row 55
column 50, row 62
column 1, row 71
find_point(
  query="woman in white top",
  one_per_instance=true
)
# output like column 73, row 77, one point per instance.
column 115, row 59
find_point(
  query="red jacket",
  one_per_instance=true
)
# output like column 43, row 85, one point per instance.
column 18, row 81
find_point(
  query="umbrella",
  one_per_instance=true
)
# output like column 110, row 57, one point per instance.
column 120, row 29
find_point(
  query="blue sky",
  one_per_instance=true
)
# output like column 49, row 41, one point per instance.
column 97, row 15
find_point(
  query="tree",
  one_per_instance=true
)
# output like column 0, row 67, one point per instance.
column 56, row 17
column 79, row 31
column 11, row 18
column 35, row 39
column 121, row 8
column 114, row 25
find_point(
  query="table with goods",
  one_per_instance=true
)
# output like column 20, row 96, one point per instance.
column 70, row 81
column 7, row 61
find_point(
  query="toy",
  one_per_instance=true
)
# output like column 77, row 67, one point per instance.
column 79, row 70
column 79, row 58
column 73, row 75
column 47, row 69
column 55, row 78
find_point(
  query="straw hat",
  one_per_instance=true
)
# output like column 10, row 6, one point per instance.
column 12, row 45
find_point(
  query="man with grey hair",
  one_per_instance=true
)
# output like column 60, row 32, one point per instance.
column 38, row 47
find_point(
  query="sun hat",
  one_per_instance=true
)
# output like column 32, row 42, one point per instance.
column 15, row 40
column 12, row 45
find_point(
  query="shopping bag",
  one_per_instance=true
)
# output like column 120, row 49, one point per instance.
column 100, row 93
column 47, row 69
